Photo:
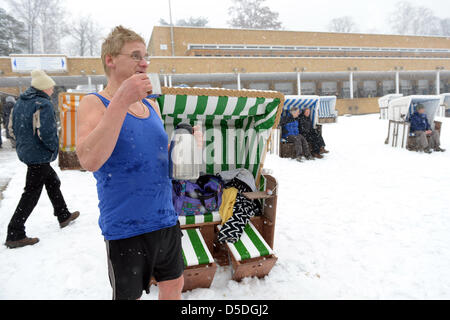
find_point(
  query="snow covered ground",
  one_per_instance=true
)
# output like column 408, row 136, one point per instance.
column 367, row 222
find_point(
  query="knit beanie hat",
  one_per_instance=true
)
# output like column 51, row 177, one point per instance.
column 40, row 80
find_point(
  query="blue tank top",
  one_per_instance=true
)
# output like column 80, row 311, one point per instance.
column 133, row 185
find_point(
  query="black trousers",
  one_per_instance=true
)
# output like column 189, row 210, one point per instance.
column 37, row 176
column 300, row 145
column 315, row 139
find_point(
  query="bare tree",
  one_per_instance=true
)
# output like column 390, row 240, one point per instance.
column 444, row 25
column 52, row 26
column 44, row 21
column 28, row 11
column 190, row 22
column 86, row 34
column 193, row 22
column 252, row 14
column 94, row 36
column 80, row 32
column 414, row 20
column 342, row 24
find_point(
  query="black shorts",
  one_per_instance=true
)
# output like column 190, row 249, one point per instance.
column 133, row 261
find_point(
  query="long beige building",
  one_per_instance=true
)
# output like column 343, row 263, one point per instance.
column 356, row 68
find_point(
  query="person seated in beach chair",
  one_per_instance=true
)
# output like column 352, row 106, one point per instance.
column 290, row 132
column 311, row 134
column 421, row 129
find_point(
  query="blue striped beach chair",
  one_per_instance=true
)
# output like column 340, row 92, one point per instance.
column 327, row 109
column 286, row 150
column 303, row 102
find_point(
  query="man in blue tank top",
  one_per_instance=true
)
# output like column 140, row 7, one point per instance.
column 121, row 139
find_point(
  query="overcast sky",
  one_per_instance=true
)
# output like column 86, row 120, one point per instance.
column 299, row 15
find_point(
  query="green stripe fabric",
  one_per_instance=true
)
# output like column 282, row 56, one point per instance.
column 194, row 249
column 190, row 219
column 200, row 251
column 240, row 106
column 201, row 105
column 263, row 251
column 208, row 217
column 202, row 218
column 224, row 127
column 180, row 104
column 221, row 106
column 184, row 259
column 209, row 146
column 243, row 253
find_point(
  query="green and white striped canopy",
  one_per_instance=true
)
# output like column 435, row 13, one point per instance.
column 235, row 123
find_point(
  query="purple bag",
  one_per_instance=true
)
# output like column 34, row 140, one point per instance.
column 203, row 196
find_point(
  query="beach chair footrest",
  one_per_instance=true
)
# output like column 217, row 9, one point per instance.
column 200, row 276
column 256, row 267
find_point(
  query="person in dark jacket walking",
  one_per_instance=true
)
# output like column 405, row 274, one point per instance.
column 34, row 126
column 290, row 132
column 311, row 134
column 421, row 128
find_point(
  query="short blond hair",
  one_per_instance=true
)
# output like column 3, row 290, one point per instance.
column 115, row 41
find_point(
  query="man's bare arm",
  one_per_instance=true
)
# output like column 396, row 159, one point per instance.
column 98, row 129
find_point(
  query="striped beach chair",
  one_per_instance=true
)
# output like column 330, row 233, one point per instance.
column 303, row 102
column 327, row 109
column 286, row 150
column 237, row 125
column 68, row 104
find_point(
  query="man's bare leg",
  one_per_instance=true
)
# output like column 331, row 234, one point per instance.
column 171, row 290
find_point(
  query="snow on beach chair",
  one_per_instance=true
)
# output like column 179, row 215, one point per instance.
column 236, row 125
column 399, row 113
column 444, row 110
column 383, row 103
column 301, row 102
column 327, row 109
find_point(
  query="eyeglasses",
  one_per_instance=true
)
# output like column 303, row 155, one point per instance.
column 136, row 56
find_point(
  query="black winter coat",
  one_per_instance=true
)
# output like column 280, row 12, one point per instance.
column 305, row 124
